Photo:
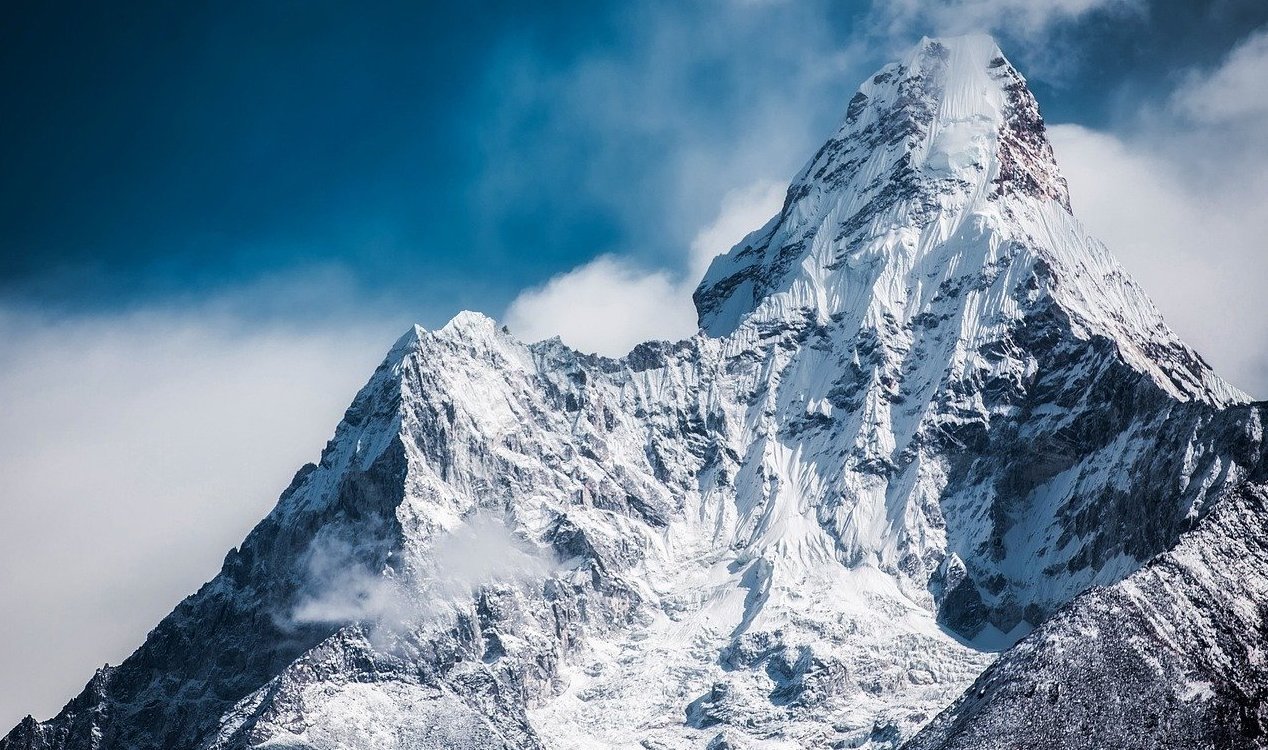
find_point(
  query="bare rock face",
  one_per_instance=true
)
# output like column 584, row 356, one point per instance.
column 1170, row 657
column 925, row 411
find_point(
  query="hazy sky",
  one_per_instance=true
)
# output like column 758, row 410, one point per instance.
column 216, row 217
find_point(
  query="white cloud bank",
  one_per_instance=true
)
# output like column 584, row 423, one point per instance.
column 607, row 306
column 1183, row 203
column 136, row 449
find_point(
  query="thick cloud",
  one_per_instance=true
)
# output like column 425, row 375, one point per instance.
column 605, row 306
column 608, row 305
column 136, row 449
column 1180, row 199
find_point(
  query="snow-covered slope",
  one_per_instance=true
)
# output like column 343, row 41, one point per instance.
column 925, row 411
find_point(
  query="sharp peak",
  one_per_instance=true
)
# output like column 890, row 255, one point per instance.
column 470, row 323
column 466, row 325
column 927, row 141
column 941, row 84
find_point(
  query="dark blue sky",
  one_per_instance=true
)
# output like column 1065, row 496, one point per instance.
column 434, row 157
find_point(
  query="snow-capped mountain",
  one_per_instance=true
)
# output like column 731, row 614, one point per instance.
column 925, row 411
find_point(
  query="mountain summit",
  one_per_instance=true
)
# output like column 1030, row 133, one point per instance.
column 942, row 165
column 925, row 413
column 949, row 131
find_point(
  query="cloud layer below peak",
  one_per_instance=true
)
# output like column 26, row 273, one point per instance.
column 608, row 306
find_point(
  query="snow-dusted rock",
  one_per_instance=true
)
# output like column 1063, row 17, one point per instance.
column 1171, row 657
column 924, row 412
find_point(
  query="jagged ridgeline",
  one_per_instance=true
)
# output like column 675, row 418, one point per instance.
column 924, row 414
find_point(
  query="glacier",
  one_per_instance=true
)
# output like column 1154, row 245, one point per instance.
column 927, row 419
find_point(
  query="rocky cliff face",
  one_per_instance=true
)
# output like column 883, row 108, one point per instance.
column 924, row 412
column 1171, row 657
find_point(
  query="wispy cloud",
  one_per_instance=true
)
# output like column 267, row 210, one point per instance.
column 695, row 101
column 1019, row 18
column 342, row 584
column 1234, row 92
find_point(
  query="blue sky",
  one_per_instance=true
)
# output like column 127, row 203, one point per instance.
column 434, row 157
column 216, row 217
